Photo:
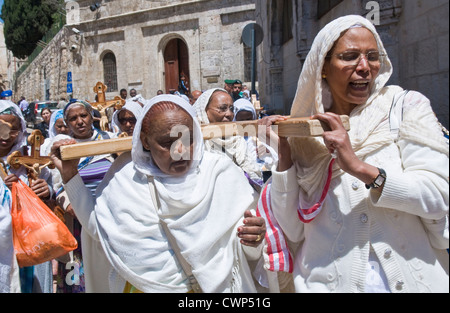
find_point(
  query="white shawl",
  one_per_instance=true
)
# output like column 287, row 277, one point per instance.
column 313, row 96
column 202, row 209
column 234, row 147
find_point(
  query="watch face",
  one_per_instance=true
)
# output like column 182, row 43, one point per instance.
column 379, row 181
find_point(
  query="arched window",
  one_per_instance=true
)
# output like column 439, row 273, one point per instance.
column 110, row 71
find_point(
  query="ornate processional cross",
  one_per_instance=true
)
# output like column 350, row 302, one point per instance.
column 35, row 162
column 101, row 105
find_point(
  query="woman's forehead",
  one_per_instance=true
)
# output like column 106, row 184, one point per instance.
column 356, row 38
column 164, row 121
column 76, row 109
column 126, row 113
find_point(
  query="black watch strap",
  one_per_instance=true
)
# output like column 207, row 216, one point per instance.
column 379, row 181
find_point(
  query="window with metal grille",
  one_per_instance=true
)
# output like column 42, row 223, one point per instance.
column 110, row 71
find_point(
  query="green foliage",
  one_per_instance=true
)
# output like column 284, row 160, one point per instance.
column 26, row 22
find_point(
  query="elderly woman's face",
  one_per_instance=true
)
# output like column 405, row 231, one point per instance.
column 172, row 155
column 351, row 84
column 220, row 108
column 79, row 121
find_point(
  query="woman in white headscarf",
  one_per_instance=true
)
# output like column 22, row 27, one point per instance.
column 264, row 154
column 216, row 106
column 125, row 119
column 78, row 116
column 373, row 208
column 169, row 178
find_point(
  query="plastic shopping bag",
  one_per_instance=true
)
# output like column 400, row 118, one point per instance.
column 38, row 234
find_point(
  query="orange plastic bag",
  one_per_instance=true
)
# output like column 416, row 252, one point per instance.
column 38, row 234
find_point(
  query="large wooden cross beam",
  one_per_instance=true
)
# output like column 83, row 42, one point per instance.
column 293, row 127
column 101, row 105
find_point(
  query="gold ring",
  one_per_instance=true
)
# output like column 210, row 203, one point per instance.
column 259, row 237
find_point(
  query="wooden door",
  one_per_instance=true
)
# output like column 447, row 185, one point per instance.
column 176, row 62
column 171, row 65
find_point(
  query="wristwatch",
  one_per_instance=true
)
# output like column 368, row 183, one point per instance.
column 379, row 181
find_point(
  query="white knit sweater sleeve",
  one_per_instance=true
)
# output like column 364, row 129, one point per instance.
column 83, row 203
column 284, row 201
column 422, row 187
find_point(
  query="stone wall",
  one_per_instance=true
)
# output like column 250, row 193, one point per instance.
column 137, row 34
column 423, row 58
column 414, row 32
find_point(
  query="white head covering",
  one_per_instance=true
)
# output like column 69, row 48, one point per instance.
column 12, row 108
column 143, row 159
column 235, row 147
column 310, row 155
column 313, row 94
column 132, row 106
column 55, row 116
column 201, row 104
column 244, row 105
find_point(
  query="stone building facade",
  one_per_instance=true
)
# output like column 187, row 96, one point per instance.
column 4, row 83
column 145, row 45
column 415, row 33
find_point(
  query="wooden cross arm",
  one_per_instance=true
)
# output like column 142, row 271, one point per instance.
column 293, row 127
column 16, row 160
column 117, row 103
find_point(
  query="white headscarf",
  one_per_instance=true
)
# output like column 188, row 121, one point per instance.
column 244, row 105
column 197, row 207
column 235, row 146
column 132, row 106
column 55, row 116
column 143, row 159
column 21, row 140
column 310, row 155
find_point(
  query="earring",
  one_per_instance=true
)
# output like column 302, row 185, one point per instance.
column 324, row 76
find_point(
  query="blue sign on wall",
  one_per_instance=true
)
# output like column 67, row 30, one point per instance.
column 69, row 88
column 69, row 77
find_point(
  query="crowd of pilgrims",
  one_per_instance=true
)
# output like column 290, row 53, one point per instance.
column 359, row 210
column 67, row 273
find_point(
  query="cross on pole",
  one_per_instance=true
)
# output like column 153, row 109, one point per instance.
column 102, row 104
column 35, row 162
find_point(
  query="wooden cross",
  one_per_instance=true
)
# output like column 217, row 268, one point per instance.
column 101, row 105
column 35, row 162
column 292, row 127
